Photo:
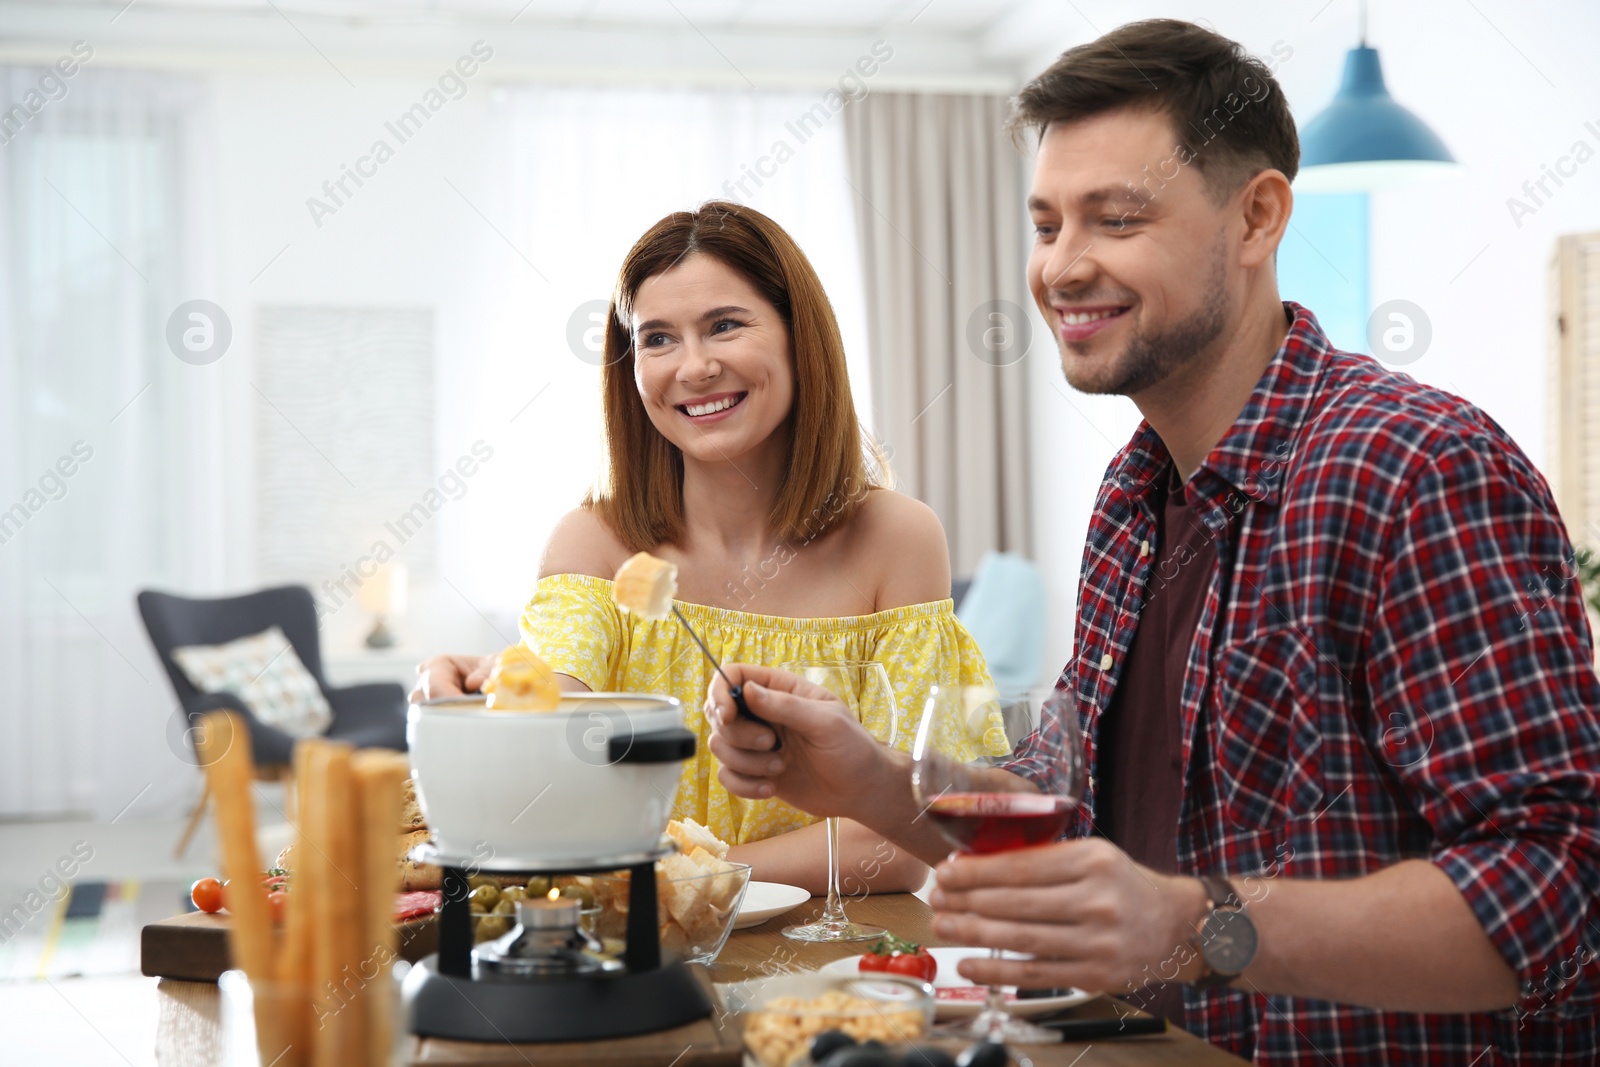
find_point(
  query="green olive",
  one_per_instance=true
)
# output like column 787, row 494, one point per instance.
column 538, row 885
column 490, row 927
column 476, row 880
column 503, row 906
column 582, row 892
column 513, row 893
column 485, row 897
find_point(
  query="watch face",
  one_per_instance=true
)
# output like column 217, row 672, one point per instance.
column 1230, row 941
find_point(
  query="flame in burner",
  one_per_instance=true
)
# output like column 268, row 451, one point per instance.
column 554, row 894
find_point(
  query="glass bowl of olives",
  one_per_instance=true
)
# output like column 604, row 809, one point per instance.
column 493, row 901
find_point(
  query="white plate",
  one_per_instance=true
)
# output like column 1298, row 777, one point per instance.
column 764, row 900
column 948, row 979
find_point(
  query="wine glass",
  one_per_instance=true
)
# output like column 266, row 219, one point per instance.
column 960, row 746
column 864, row 689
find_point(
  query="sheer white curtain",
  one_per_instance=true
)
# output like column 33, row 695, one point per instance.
column 110, row 477
column 585, row 173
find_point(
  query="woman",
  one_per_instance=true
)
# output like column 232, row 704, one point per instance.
column 734, row 453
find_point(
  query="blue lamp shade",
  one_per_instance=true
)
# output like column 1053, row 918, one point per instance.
column 1363, row 140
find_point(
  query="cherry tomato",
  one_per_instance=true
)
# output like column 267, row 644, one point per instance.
column 207, row 895
column 916, row 964
column 275, row 903
column 894, row 956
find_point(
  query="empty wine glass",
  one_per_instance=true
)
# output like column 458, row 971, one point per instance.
column 980, row 809
column 864, row 688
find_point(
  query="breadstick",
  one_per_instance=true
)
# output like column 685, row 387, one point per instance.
column 224, row 744
column 312, row 887
column 339, row 1029
column 379, row 777
column 224, row 748
column 293, row 963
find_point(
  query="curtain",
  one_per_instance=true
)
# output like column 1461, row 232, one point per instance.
column 579, row 175
column 110, row 467
column 939, row 212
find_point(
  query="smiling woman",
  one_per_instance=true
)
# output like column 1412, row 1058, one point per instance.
column 733, row 448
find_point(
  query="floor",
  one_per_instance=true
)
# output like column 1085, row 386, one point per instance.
column 110, row 1019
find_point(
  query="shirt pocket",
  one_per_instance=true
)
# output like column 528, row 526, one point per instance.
column 1268, row 738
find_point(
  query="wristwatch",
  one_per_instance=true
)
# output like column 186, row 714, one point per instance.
column 1226, row 937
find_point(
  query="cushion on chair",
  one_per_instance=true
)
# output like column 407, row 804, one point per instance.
column 264, row 672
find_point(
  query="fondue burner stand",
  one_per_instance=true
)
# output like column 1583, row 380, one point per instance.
column 540, row 982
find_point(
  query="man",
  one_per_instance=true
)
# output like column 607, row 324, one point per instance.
column 1331, row 658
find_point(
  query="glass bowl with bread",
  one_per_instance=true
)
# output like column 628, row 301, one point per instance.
column 698, row 892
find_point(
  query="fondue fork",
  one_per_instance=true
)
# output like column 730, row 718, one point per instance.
column 735, row 691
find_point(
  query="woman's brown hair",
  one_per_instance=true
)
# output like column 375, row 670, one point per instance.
column 640, row 494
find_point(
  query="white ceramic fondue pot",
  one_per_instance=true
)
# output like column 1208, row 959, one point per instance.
column 594, row 778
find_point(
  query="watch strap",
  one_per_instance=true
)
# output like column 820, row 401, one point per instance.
column 1219, row 892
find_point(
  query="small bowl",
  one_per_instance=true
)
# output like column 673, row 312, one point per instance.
column 782, row 1014
column 695, row 914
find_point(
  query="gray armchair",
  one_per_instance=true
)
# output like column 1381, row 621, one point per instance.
column 366, row 716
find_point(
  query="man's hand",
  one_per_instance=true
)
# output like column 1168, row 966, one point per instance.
column 450, row 676
column 826, row 757
column 1090, row 916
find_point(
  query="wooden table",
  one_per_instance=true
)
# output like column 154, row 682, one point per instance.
column 188, row 1032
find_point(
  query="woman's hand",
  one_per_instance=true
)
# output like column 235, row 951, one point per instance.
column 450, row 676
column 827, row 761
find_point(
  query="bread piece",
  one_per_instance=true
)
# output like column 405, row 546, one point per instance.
column 416, row 875
column 521, row 681
column 410, row 811
column 689, row 835
column 674, row 941
column 686, row 888
column 703, row 927
column 725, row 887
column 645, row 586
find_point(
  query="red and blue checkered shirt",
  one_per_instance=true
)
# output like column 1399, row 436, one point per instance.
column 1393, row 662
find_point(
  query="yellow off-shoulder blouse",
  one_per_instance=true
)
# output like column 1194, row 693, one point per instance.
column 573, row 622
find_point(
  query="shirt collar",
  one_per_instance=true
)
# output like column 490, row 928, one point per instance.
column 1251, row 455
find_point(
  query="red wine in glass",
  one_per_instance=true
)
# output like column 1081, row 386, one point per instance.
column 999, row 822
column 974, row 785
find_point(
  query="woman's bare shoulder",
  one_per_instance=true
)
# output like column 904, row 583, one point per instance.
column 582, row 543
column 902, row 541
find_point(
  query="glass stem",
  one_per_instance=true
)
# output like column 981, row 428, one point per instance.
column 994, row 1008
column 833, row 911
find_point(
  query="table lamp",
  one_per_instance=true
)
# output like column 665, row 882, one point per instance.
column 383, row 595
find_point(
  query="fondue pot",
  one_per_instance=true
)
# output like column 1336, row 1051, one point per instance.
column 582, row 789
column 593, row 779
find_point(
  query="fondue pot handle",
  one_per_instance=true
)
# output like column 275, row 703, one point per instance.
column 662, row 746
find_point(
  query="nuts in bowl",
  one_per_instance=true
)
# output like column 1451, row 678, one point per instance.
column 783, row 1015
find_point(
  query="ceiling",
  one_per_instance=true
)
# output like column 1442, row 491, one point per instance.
column 954, row 44
column 959, row 15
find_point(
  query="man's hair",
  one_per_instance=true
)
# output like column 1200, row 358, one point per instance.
column 1227, row 111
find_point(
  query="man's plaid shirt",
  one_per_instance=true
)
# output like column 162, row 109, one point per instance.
column 1393, row 662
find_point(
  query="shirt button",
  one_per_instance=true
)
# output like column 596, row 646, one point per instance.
column 1144, row 549
column 1105, row 662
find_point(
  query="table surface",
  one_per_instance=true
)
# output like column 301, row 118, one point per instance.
column 189, row 1031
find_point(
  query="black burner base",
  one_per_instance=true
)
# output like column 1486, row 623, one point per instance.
column 565, row 1009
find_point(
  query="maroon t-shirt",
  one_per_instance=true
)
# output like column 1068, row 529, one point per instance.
column 1139, row 780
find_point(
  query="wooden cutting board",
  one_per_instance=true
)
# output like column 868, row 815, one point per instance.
column 194, row 947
